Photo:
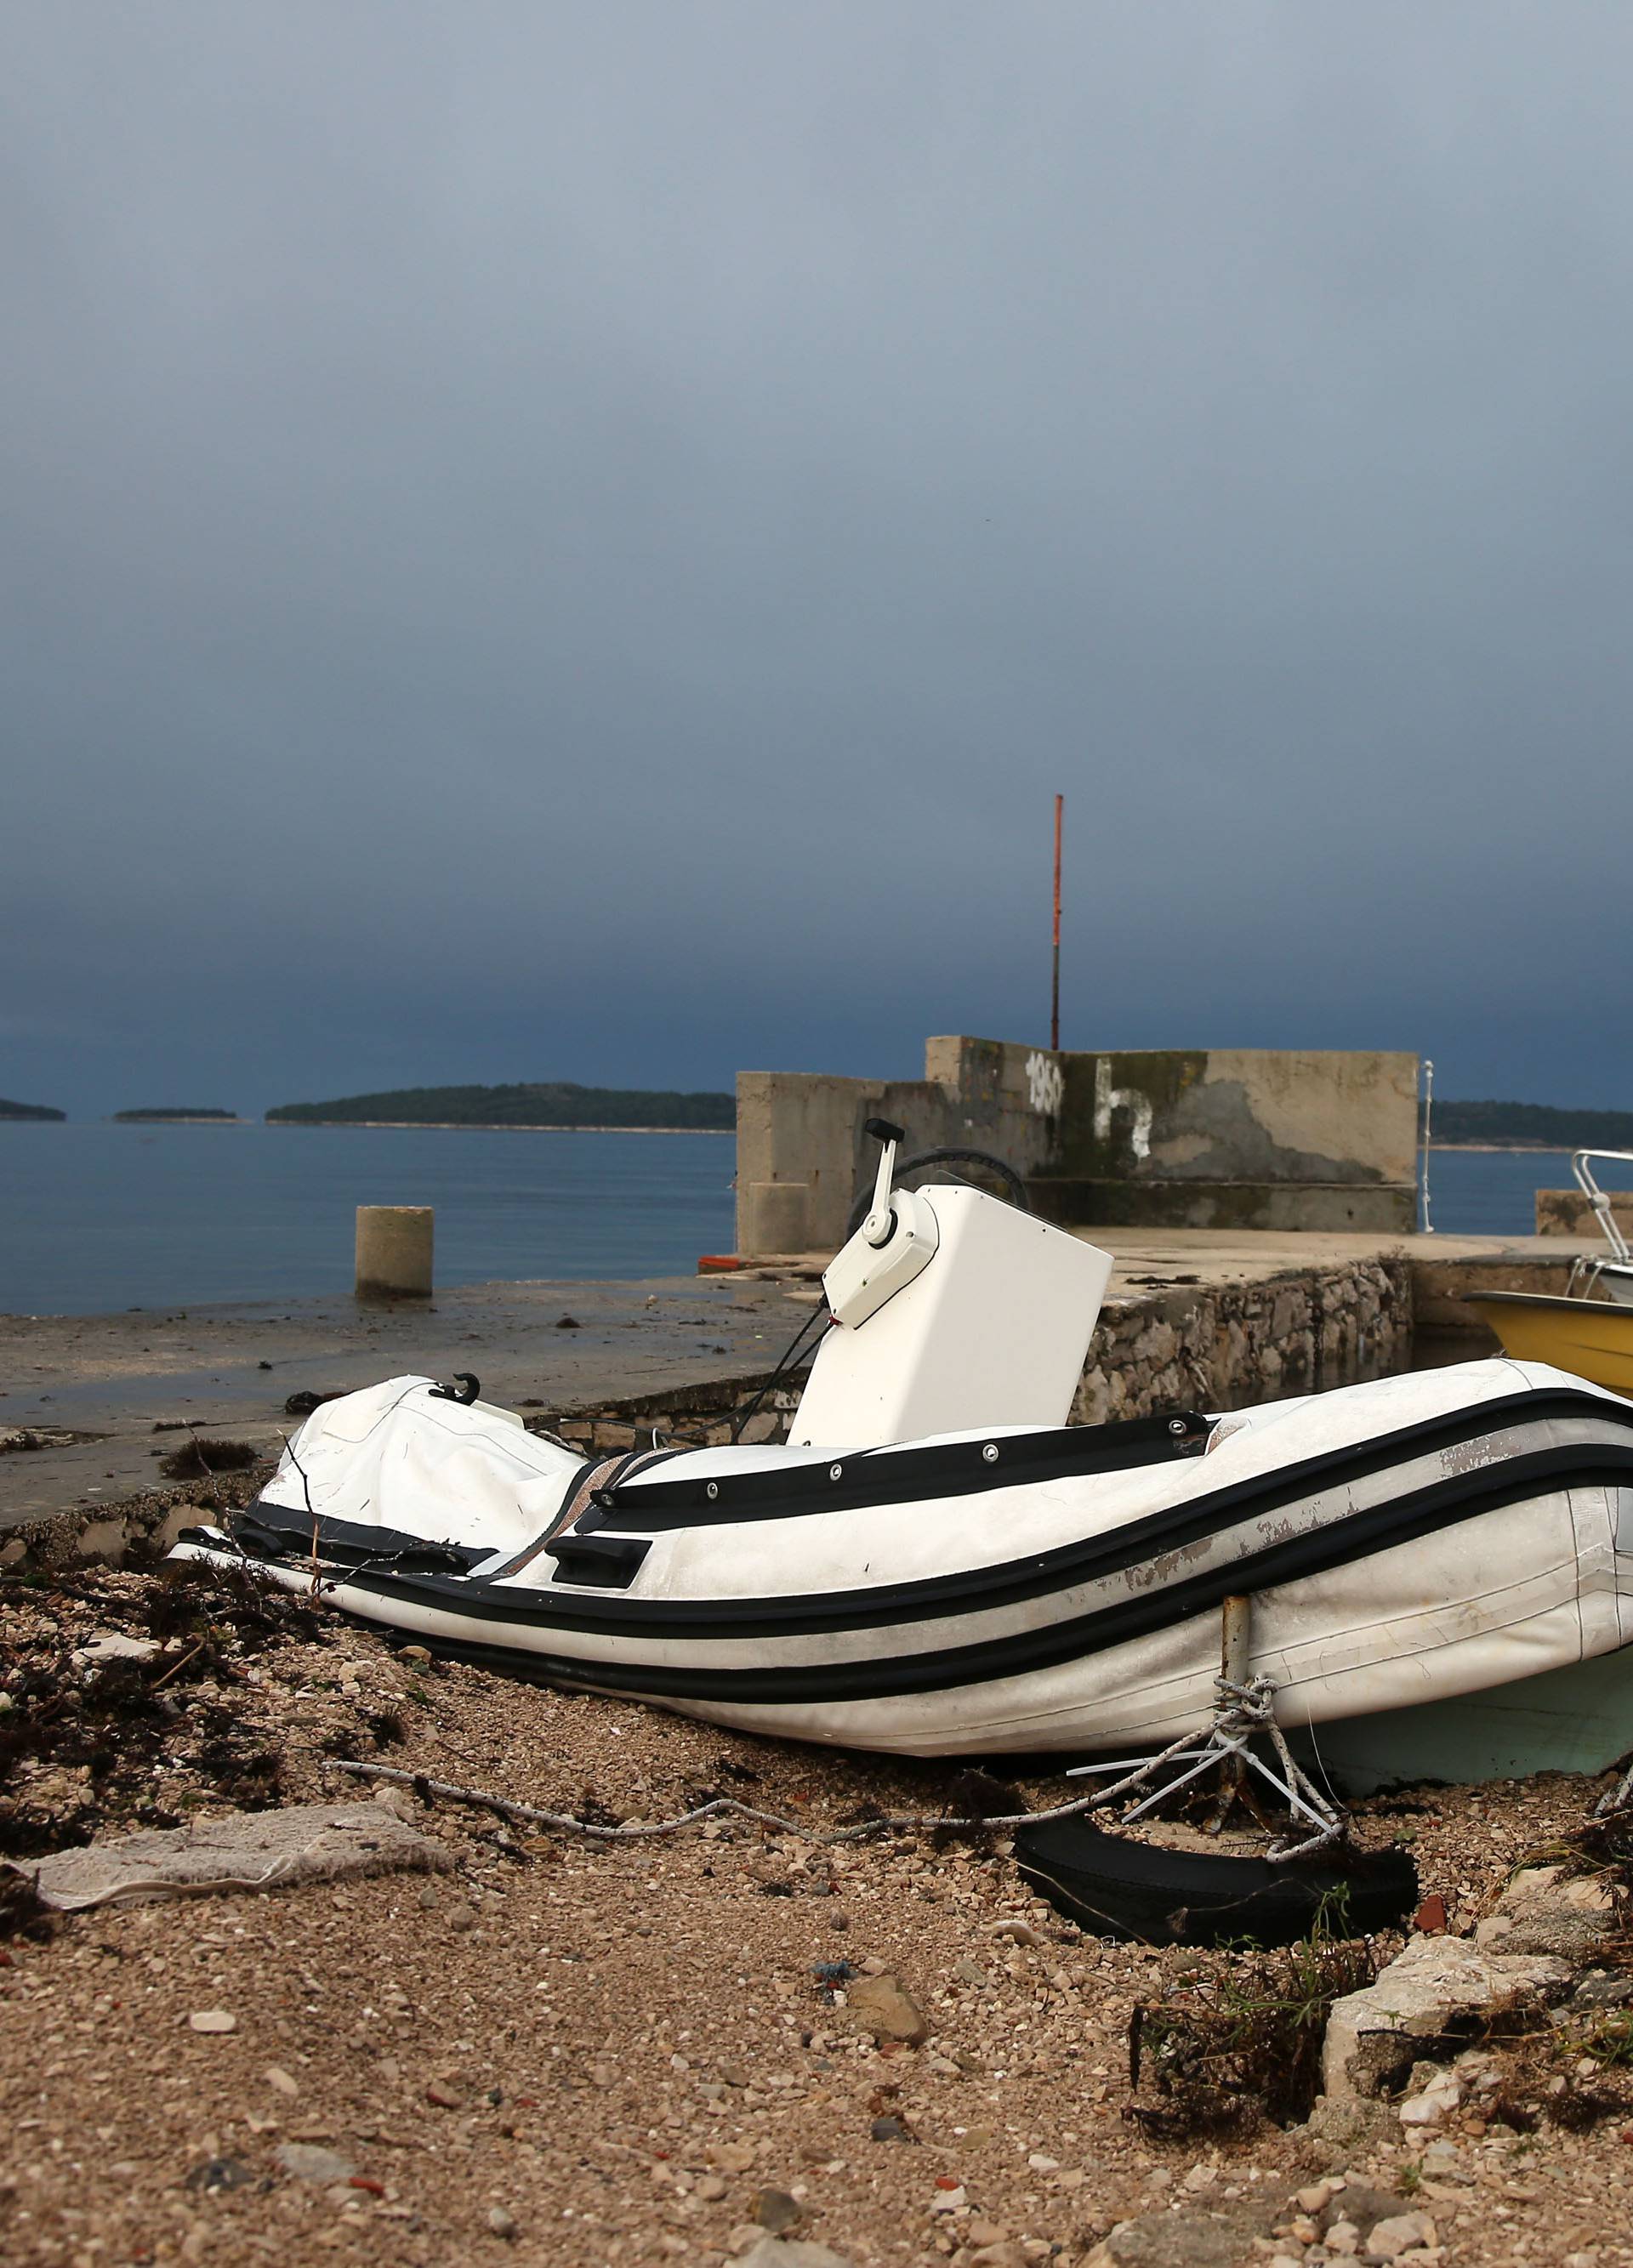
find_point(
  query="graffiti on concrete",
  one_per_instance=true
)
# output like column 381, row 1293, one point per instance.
column 1044, row 1083
column 1108, row 1099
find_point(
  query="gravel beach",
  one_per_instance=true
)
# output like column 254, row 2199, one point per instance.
column 568, row 2052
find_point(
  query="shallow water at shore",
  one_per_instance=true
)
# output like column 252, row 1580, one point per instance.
column 98, row 1217
column 94, row 1219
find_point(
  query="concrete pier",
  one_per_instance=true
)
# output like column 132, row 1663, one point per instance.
column 1227, row 1140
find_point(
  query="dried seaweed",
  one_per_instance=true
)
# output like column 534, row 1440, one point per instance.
column 22, row 1913
column 201, row 1459
column 1242, row 2042
column 187, row 1597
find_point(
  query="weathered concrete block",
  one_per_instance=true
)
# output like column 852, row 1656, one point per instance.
column 775, row 1217
column 1567, row 1213
column 1142, row 1201
column 394, row 1252
column 1421, row 1999
column 1252, row 1116
column 1201, row 1138
column 806, row 1128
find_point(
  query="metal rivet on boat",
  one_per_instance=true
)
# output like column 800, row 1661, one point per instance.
column 991, row 1453
column 1178, row 1425
column 834, row 1471
column 713, row 1491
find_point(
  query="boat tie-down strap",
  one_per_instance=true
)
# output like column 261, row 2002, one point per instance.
column 583, row 1509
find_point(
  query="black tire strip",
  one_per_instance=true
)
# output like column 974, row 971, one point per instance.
column 1115, row 1885
column 276, row 1529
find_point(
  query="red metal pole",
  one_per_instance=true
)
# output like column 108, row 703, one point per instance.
column 1055, row 1001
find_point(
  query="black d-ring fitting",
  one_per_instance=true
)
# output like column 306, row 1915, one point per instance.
column 465, row 1378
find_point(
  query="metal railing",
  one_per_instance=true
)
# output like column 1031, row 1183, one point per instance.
column 1586, row 1272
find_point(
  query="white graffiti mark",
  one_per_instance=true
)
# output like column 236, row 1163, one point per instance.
column 1046, row 1084
column 1108, row 1097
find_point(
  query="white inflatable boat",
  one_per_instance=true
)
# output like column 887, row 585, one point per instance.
column 1013, row 1584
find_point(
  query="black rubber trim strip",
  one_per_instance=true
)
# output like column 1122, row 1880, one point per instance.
column 613, row 1562
column 1443, row 1504
column 348, row 1543
column 1084, row 1560
column 1446, row 1505
column 904, row 1476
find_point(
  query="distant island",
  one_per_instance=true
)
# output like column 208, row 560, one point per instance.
column 29, row 1110
column 550, row 1105
column 165, row 1118
column 1529, row 1126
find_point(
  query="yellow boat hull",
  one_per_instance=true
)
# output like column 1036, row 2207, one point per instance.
column 1589, row 1337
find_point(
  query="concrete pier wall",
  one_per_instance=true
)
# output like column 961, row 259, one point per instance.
column 1234, row 1139
column 1567, row 1213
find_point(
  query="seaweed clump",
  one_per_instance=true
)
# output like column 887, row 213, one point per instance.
column 23, row 1913
column 201, row 1459
column 1226, row 2049
column 88, row 1741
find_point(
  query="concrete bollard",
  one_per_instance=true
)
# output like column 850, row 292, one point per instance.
column 777, row 1215
column 394, row 1252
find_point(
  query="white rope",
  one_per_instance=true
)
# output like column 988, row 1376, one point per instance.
column 1240, row 1712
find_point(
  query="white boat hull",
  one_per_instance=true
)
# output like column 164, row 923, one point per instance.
column 1404, row 1542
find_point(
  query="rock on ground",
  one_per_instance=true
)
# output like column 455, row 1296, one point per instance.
column 1418, row 1999
column 1545, row 1910
column 888, row 2009
column 245, row 1849
column 790, row 2252
column 1170, row 2240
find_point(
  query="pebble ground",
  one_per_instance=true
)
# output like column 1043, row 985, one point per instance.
column 579, row 2054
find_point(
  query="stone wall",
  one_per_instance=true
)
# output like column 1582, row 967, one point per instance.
column 1227, row 1346
column 1208, row 1347
column 1236, row 1138
column 1213, row 1347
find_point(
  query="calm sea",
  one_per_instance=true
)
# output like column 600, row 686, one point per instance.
column 98, row 1217
column 1493, row 1192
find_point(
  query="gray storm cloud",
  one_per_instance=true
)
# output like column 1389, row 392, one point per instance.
column 573, row 541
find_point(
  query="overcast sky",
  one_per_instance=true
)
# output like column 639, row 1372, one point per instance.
column 580, row 540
